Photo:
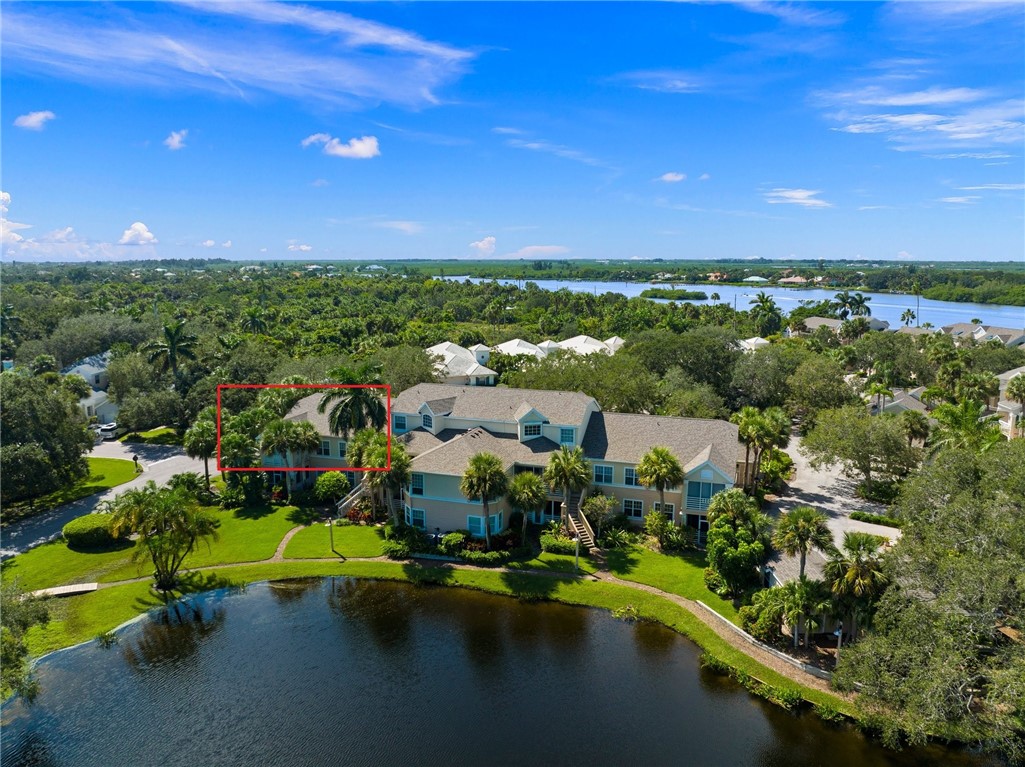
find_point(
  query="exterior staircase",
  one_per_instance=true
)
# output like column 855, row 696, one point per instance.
column 348, row 501
column 579, row 525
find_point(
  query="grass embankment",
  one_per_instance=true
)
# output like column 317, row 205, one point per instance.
column 314, row 542
column 104, row 473
column 163, row 435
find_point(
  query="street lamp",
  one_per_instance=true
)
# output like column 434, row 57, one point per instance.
column 576, row 560
column 331, row 532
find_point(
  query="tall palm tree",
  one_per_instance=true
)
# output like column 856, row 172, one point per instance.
column 358, row 407
column 397, row 477
column 907, row 317
column 855, row 574
column 800, row 530
column 746, row 420
column 527, row 494
column 977, row 386
column 1016, row 393
column 880, row 391
column 177, row 344
column 842, row 304
column 659, row 468
column 201, row 442
column 853, row 329
column 253, row 320
column 771, row 431
column 765, row 313
column 569, row 471
column 915, row 426
column 965, row 426
column 803, row 599
column 275, row 441
column 859, row 305
column 484, row 480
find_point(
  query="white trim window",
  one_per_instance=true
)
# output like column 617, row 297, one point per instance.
column 416, row 518
column 602, row 475
column 341, row 449
column 633, row 508
column 325, row 448
column 670, row 509
column 699, row 493
column 567, row 436
column 475, row 524
column 428, row 421
column 399, row 422
column 531, row 430
column 416, row 484
column 630, row 477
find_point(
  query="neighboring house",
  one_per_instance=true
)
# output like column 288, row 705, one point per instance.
column 902, row 399
column 330, row 454
column 814, row 323
column 909, row 330
column 97, row 404
column 442, row 427
column 754, row 279
column 586, row 345
column 962, row 331
column 750, row 345
column 792, row 281
column 548, row 346
column 518, row 346
column 1010, row 412
column 467, row 367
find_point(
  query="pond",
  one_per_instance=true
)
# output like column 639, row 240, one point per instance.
column 344, row 671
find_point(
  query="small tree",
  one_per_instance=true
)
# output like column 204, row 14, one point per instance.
column 801, row 530
column 659, row 468
column 201, row 442
column 734, row 553
column 527, row 494
column 658, row 527
column 484, row 480
column 331, row 487
column 600, row 509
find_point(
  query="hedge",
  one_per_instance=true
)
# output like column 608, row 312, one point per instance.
column 875, row 519
column 91, row 531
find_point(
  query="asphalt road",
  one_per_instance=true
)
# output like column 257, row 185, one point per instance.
column 159, row 463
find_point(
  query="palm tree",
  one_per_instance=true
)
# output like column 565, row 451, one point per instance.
column 357, row 407
column 659, row 468
column 1016, row 393
column 859, row 305
column 853, row 329
column 569, row 471
column 771, row 430
column 964, row 426
column 746, row 420
column 880, row 391
column 803, row 599
column 855, row 574
column 801, row 530
column 253, row 320
column 177, row 344
column 765, row 313
column 977, row 386
column 527, row 494
column 201, row 442
column 908, row 317
column 714, row 297
column 915, row 426
column 397, row 477
column 168, row 523
column 294, row 441
column 484, row 480
column 842, row 304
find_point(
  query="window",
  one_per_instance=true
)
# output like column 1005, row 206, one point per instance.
column 476, row 526
column 325, row 448
column 669, row 510
column 698, row 493
column 416, row 484
column 603, row 475
column 416, row 518
column 400, row 422
column 496, row 523
column 634, row 509
column 567, row 436
column 428, row 422
column 341, row 449
column 631, row 478
column 531, row 430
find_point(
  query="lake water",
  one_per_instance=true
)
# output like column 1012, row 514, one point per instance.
column 341, row 671
column 885, row 306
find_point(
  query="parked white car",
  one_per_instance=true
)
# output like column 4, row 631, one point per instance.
column 107, row 430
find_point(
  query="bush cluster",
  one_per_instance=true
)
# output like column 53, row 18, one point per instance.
column 876, row 519
column 557, row 544
column 452, row 543
column 92, row 531
column 715, row 583
column 233, row 498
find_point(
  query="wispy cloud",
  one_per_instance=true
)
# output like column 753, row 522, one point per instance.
column 505, row 130
column 672, row 177
column 934, row 96
column 970, row 156
column 565, row 152
column 406, row 227
column 354, row 149
column 994, row 187
column 968, row 200
column 208, row 243
column 875, row 207
column 539, row 251
column 34, row 120
column 704, row 177
column 299, row 247
column 795, row 14
column 665, row 80
column 138, row 234
column 485, row 246
column 285, row 49
column 176, row 140
column 806, row 198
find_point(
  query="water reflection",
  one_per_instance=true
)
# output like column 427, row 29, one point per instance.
column 174, row 634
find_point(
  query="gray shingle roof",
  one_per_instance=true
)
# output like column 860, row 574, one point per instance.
column 420, row 441
column 626, row 437
column 498, row 403
column 306, row 410
column 453, row 456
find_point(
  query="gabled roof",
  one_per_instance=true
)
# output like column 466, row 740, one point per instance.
column 306, row 410
column 457, row 361
column 584, row 345
column 626, row 437
column 519, row 346
column 89, row 366
column 453, row 456
column 497, row 404
column 817, row 322
column 441, row 406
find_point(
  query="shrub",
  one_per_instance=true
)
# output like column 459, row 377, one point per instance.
column 875, row 519
column 829, row 713
column 880, row 492
column 716, row 665
column 452, row 543
column 776, row 468
column 619, row 522
column 396, row 549
column 615, row 538
column 714, row 582
column 516, row 521
column 91, row 531
column 787, row 697
column 485, row 558
column 233, row 498
column 658, row 527
column 191, row 482
column 304, row 497
column 557, row 544
column 506, row 541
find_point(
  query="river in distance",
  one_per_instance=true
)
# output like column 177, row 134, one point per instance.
column 884, row 306
column 340, row 671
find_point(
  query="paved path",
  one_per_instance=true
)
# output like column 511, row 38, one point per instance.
column 159, row 462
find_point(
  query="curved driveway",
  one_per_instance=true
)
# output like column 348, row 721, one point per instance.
column 159, row 463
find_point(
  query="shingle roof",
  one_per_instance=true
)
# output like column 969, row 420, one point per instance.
column 453, row 456
column 626, row 437
column 497, row 403
column 816, row 322
column 306, row 410
column 420, row 441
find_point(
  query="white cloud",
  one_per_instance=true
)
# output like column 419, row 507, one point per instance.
column 967, row 200
column 137, row 234
column 806, row 198
column 558, row 150
column 665, row 81
column 226, row 244
column 355, row 148
column 208, row 243
column 327, row 56
column 176, row 140
column 902, row 255
column 873, row 207
column 534, row 251
column 406, row 227
column 319, row 182
column 65, row 234
column 875, row 95
column 485, row 246
column 672, row 177
column 798, row 15
column 300, row 248
column 996, row 187
column 34, row 120
column 704, row 177
column 506, row 130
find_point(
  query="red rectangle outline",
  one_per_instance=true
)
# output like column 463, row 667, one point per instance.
column 385, row 387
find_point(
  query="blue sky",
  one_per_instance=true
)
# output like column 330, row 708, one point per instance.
column 509, row 130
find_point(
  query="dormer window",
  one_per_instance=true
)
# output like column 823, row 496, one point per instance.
column 531, row 430
column 428, row 421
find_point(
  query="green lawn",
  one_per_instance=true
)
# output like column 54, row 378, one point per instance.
column 558, row 563
column 681, row 574
column 54, row 564
column 104, row 473
column 163, row 435
column 350, row 541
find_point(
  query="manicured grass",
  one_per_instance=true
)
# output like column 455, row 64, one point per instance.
column 681, row 574
column 557, row 563
column 54, row 564
column 350, row 541
column 104, row 473
column 163, row 435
